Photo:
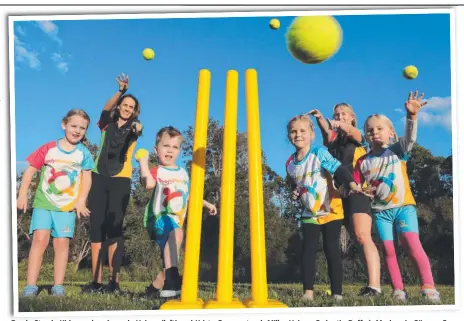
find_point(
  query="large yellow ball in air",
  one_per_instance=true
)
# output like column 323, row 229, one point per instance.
column 314, row 39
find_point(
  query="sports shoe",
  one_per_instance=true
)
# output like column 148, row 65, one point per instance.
column 368, row 291
column 57, row 290
column 307, row 297
column 400, row 295
column 152, row 292
column 112, row 287
column 30, row 291
column 337, row 297
column 431, row 294
column 172, row 283
column 92, row 287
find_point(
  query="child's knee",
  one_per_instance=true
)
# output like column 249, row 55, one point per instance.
column 389, row 248
column 41, row 238
column 410, row 241
column 61, row 244
column 176, row 235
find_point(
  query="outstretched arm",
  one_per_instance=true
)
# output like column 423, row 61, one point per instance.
column 412, row 105
column 123, row 82
column 327, row 133
column 350, row 131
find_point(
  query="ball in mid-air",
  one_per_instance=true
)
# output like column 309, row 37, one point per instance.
column 314, row 39
column 148, row 54
column 410, row 72
column 141, row 153
column 274, row 24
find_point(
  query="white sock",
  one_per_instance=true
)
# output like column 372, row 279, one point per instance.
column 378, row 289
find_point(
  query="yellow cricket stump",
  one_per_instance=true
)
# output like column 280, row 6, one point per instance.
column 224, row 299
column 259, row 290
column 189, row 293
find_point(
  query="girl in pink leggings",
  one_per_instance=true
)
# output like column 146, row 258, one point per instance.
column 393, row 205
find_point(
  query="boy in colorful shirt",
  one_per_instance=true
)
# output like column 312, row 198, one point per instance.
column 166, row 211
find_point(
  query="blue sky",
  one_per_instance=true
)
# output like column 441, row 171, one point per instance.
column 60, row 65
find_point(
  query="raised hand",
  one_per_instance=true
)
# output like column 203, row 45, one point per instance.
column 123, row 81
column 316, row 113
column 414, row 103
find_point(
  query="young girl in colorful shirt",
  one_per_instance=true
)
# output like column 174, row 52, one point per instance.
column 384, row 168
column 312, row 170
column 346, row 143
column 65, row 182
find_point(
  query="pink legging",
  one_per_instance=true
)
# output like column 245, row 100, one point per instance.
column 414, row 246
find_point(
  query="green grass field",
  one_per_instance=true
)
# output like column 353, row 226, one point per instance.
column 132, row 297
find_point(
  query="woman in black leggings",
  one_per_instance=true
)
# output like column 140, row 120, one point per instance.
column 111, row 184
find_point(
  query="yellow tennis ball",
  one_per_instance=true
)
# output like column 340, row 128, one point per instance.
column 410, row 72
column 274, row 24
column 141, row 153
column 148, row 54
column 314, row 39
column 328, row 292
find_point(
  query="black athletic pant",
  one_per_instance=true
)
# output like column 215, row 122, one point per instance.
column 331, row 243
column 108, row 200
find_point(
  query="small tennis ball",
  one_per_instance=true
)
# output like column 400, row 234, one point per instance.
column 313, row 40
column 328, row 292
column 148, row 54
column 274, row 24
column 141, row 153
column 410, row 72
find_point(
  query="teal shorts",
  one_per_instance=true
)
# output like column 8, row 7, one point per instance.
column 159, row 229
column 61, row 224
column 403, row 218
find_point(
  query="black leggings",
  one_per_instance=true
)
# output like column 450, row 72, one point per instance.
column 108, row 200
column 331, row 242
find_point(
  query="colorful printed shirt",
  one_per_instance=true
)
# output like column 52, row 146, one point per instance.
column 60, row 179
column 313, row 175
column 117, row 146
column 169, row 196
column 387, row 172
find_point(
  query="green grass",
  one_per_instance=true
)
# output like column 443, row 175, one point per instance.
column 132, row 297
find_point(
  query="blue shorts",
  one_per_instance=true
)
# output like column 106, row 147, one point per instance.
column 61, row 224
column 160, row 228
column 404, row 218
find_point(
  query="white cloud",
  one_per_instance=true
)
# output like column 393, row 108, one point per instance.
column 437, row 112
column 399, row 110
column 442, row 119
column 50, row 29
column 20, row 30
column 61, row 64
column 25, row 55
column 438, row 103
